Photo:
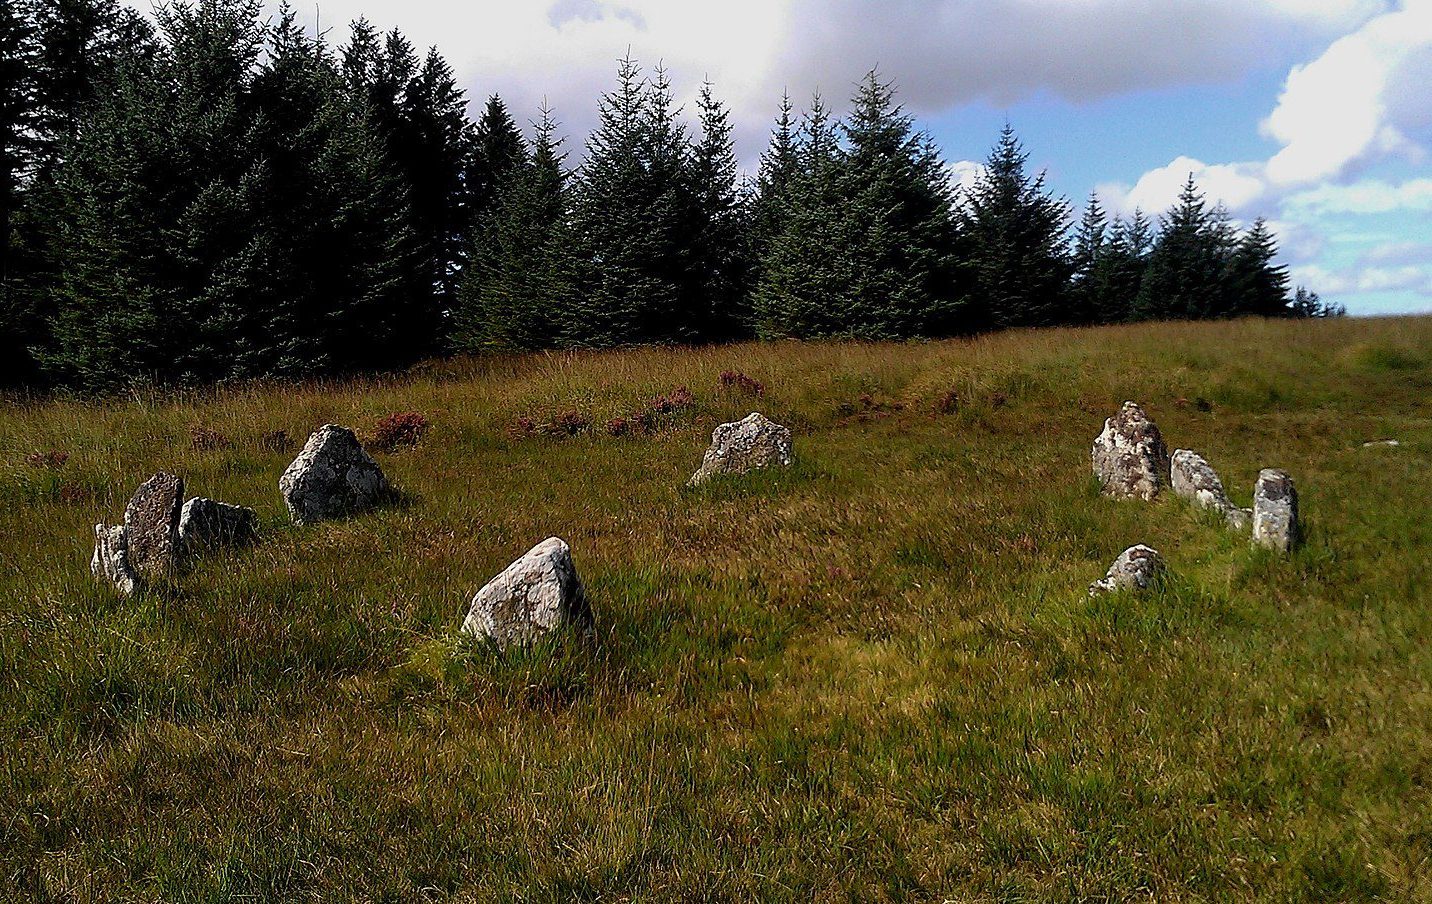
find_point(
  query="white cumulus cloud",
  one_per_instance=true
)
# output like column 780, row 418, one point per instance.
column 1366, row 94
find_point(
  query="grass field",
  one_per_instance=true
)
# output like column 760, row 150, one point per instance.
column 876, row 676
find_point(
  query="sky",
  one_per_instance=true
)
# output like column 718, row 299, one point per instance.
column 1314, row 114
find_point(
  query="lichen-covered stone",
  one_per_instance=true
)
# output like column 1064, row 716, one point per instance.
column 751, row 443
column 332, row 477
column 1194, row 479
column 534, row 596
column 151, row 525
column 1136, row 568
column 204, row 522
column 111, row 558
column 1275, row 510
column 1129, row 456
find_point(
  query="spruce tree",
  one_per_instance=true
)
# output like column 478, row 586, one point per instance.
column 721, row 257
column 442, row 139
column 804, row 270
column 632, row 221
column 497, row 151
column 1091, row 246
column 1258, row 286
column 778, row 170
column 19, row 111
column 1186, row 269
column 1015, row 233
column 867, row 245
column 516, row 293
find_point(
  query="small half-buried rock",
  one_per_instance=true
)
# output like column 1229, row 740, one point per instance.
column 205, row 522
column 111, row 558
column 752, row 443
column 332, row 477
column 533, row 597
column 1137, row 568
column 1129, row 457
column 151, row 525
column 1194, row 479
column 1275, row 510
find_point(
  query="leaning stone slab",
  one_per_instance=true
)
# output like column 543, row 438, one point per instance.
column 204, row 522
column 332, row 477
column 1275, row 510
column 1194, row 479
column 111, row 558
column 1129, row 457
column 151, row 525
column 538, row 594
column 1136, row 568
column 749, row 444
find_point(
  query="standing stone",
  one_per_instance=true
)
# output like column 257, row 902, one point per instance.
column 331, row 477
column 1193, row 478
column 534, row 596
column 204, row 522
column 1129, row 457
column 1275, row 510
column 111, row 558
column 151, row 525
column 1135, row 569
column 749, row 444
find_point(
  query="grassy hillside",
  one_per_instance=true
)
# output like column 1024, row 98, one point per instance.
column 874, row 677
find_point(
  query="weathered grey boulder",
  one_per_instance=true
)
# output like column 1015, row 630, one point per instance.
column 204, row 522
column 749, row 444
column 111, row 558
column 1194, row 479
column 1129, row 456
column 1136, row 568
column 1275, row 510
column 534, row 596
column 332, row 477
column 151, row 525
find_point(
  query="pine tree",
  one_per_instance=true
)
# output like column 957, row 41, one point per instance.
column 516, row 294
column 721, row 256
column 779, row 169
column 1118, row 272
column 869, row 234
column 1091, row 246
column 19, row 111
column 805, row 266
column 497, row 151
column 251, row 230
column 632, row 222
column 1258, row 286
column 1015, row 234
column 442, row 139
column 1186, row 270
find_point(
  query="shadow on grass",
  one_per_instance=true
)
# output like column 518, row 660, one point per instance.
column 755, row 484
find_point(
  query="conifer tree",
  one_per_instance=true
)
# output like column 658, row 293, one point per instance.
column 517, row 292
column 631, row 219
column 778, row 169
column 497, row 151
column 1185, row 277
column 721, row 256
column 804, row 269
column 1015, row 234
column 1258, row 285
column 442, row 138
column 19, row 110
column 1091, row 246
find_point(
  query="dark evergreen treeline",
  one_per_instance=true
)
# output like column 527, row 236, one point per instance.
column 222, row 196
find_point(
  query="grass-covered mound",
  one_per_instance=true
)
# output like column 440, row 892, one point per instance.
column 873, row 676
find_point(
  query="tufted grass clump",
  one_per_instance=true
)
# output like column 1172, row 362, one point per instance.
column 873, row 676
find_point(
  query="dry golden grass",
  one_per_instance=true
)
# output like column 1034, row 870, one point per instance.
column 873, row 677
